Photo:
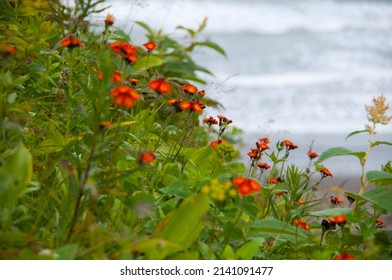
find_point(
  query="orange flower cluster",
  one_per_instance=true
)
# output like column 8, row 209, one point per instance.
column 125, row 51
column 256, row 153
column 159, row 85
column 325, row 172
column 335, row 200
column 124, row 96
column 194, row 105
column 274, row 181
column 210, row 121
column 217, row 142
column 105, row 124
column 301, row 224
column 345, row 256
column 289, row 145
column 246, row 186
column 71, row 42
column 146, row 157
column 117, row 77
column 192, row 90
column 223, row 120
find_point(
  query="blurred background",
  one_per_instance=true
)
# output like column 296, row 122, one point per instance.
column 300, row 70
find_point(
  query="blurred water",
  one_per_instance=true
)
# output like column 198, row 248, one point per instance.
column 293, row 68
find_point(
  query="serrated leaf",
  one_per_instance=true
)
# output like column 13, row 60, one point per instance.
column 331, row 212
column 339, row 151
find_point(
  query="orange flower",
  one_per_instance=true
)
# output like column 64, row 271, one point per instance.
column 380, row 223
column 312, row 155
column 246, row 186
column 185, row 105
column 133, row 81
column 160, row 86
column 109, row 20
column 117, row 77
column 263, row 165
column 217, row 142
column 300, row 201
column 281, row 193
column 255, row 154
column 202, row 92
column 273, row 181
column 210, row 121
column 150, row 46
column 70, row 42
column 289, row 145
column 124, row 96
column 223, row 120
column 325, row 172
column 340, row 220
column 146, row 157
column 100, row 76
column 264, row 140
column 104, row 124
column 300, row 223
column 345, row 256
column 262, row 146
column 126, row 51
column 7, row 49
column 335, row 200
column 189, row 89
column 198, row 106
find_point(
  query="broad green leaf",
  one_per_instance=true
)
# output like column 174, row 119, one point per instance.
column 339, row 151
column 183, row 225
column 247, row 251
column 228, row 253
column 152, row 61
column 381, row 196
column 356, row 132
column 331, row 212
column 15, row 175
column 276, row 228
column 379, row 177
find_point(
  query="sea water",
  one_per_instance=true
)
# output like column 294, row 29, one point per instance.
column 298, row 69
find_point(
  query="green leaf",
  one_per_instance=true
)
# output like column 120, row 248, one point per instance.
column 228, row 253
column 150, row 32
column 183, row 225
column 247, row 251
column 157, row 249
column 379, row 177
column 67, row 252
column 381, row 196
column 382, row 143
column 54, row 145
column 331, row 212
column 339, row 151
column 15, row 175
column 276, row 228
column 210, row 45
column 356, row 132
column 152, row 61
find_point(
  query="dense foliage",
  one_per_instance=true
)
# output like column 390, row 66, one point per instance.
column 105, row 154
